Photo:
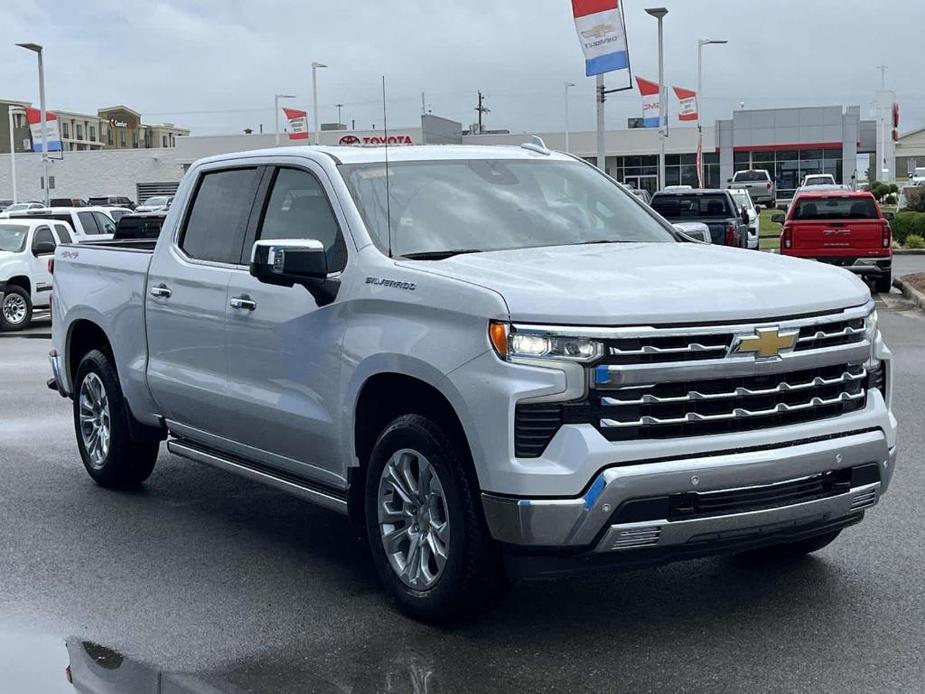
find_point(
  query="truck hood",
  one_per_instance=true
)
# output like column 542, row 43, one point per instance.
column 649, row 283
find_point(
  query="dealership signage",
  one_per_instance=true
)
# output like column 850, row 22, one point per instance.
column 298, row 123
column 376, row 140
column 34, row 116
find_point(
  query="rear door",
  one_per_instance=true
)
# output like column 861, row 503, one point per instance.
column 282, row 365
column 838, row 225
column 186, row 300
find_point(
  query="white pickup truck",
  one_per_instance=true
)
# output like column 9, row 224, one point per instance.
column 495, row 360
column 26, row 246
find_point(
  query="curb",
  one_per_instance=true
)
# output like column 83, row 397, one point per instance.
column 909, row 251
column 914, row 295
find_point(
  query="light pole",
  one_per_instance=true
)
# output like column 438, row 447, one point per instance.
column 315, row 67
column 13, row 111
column 659, row 13
column 700, row 44
column 339, row 107
column 276, row 98
column 37, row 49
column 567, row 85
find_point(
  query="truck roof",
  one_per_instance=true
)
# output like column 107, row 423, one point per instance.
column 832, row 192
column 400, row 153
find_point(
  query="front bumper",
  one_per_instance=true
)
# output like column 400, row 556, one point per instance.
column 585, row 524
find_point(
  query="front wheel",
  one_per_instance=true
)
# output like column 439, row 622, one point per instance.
column 426, row 532
column 15, row 309
column 101, row 420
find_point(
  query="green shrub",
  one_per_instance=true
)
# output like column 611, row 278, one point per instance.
column 904, row 224
column 915, row 241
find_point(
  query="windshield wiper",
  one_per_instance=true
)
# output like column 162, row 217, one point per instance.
column 439, row 255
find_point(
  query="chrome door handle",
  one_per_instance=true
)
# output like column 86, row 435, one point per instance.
column 161, row 290
column 243, row 302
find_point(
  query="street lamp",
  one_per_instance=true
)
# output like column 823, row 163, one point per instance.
column 37, row 49
column 567, row 85
column 700, row 44
column 315, row 67
column 12, row 111
column 276, row 98
column 659, row 13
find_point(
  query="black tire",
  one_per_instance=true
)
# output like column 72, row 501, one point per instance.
column 884, row 283
column 792, row 550
column 15, row 293
column 472, row 578
column 123, row 462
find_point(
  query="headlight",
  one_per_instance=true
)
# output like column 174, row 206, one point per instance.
column 510, row 344
column 870, row 327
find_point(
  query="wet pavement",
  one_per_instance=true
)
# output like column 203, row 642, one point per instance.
column 204, row 582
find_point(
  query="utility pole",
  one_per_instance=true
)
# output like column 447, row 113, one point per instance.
column 339, row 107
column 567, row 85
column 600, row 94
column 659, row 14
column 481, row 108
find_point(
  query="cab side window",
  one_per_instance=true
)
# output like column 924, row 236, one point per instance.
column 217, row 222
column 64, row 234
column 298, row 208
column 88, row 223
column 43, row 237
column 106, row 225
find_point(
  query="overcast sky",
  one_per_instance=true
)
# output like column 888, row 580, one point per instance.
column 214, row 65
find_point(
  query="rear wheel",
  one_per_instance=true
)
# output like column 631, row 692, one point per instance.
column 424, row 523
column 884, row 283
column 101, row 420
column 15, row 309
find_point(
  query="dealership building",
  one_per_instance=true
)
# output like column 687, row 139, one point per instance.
column 789, row 143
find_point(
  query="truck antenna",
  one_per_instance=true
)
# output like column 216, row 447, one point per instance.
column 388, row 197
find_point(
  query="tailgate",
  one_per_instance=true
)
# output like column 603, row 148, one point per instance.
column 854, row 234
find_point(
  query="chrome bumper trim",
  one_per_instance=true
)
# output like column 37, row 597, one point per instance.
column 577, row 522
column 664, row 533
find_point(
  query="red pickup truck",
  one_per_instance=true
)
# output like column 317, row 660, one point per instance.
column 840, row 227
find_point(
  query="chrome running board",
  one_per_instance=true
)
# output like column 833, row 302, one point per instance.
column 329, row 499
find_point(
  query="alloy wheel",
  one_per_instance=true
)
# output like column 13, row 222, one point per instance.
column 95, row 430
column 14, row 309
column 413, row 520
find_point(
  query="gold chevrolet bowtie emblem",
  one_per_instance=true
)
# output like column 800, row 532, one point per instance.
column 598, row 31
column 765, row 343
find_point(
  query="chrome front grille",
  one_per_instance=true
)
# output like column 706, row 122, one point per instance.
column 697, row 380
column 718, row 406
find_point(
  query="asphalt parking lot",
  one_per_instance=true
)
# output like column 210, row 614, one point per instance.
column 211, row 583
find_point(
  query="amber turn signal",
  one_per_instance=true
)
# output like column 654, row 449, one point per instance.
column 497, row 334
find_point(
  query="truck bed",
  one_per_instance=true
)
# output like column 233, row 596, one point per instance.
column 105, row 282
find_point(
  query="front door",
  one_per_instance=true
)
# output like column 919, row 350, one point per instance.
column 186, row 296
column 283, row 348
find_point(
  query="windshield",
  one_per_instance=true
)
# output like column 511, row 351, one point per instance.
column 13, row 237
column 751, row 176
column 156, row 201
column 493, row 204
column 835, row 208
column 743, row 199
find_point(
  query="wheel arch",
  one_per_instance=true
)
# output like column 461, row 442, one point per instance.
column 22, row 281
column 382, row 397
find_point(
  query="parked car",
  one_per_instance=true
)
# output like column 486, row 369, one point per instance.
column 810, row 180
column 513, row 369
column 744, row 202
column 146, row 225
column 87, row 223
column 4, row 204
column 715, row 208
column 111, row 201
column 759, row 185
column 26, row 245
column 839, row 227
column 20, row 207
column 157, row 203
column 918, row 175
column 67, row 202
